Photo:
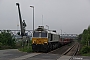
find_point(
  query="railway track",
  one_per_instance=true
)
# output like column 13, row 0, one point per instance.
column 68, row 51
column 73, row 50
column 62, row 49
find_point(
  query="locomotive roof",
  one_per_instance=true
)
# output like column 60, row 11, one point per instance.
column 48, row 31
column 51, row 31
column 41, row 28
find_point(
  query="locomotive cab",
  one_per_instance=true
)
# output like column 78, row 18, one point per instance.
column 40, row 39
column 44, row 40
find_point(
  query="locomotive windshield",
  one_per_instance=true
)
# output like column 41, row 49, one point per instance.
column 40, row 34
column 43, row 34
column 36, row 34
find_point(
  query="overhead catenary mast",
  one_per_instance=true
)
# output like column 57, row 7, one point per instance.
column 42, row 20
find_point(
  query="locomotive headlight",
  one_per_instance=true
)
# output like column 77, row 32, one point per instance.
column 34, row 41
column 45, row 42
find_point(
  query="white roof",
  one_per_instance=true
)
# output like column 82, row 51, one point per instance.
column 51, row 32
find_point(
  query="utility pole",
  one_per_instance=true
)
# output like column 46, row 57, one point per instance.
column 33, row 17
column 61, row 35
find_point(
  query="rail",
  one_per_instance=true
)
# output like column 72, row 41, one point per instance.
column 78, row 48
column 72, row 51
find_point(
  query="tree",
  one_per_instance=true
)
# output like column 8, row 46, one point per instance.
column 85, row 40
column 6, row 38
column 86, row 36
column 18, row 33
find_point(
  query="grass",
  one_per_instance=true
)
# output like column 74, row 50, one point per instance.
column 84, row 51
column 26, row 49
column 87, row 54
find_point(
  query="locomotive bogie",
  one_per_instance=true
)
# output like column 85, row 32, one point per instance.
column 39, row 47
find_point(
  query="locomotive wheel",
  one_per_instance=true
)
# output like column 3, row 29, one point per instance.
column 50, row 47
column 46, row 49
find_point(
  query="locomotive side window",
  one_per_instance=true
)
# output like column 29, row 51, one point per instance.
column 51, row 37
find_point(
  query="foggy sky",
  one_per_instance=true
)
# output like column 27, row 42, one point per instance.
column 72, row 16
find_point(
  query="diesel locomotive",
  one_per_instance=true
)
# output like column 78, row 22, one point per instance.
column 44, row 40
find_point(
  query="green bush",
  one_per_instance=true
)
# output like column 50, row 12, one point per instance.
column 6, row 47
column 26, row 49
column 85, row 49
column 0, row 45
column 6, row 39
